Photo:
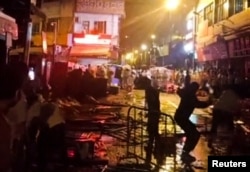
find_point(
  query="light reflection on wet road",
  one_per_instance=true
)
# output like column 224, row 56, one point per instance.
column 169, row 102
column 168, row 106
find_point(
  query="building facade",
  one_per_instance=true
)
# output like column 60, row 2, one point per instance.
column 8, row 33
column 218, row 33
column 89, row 27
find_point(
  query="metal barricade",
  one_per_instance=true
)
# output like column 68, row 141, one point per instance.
column 137, row 134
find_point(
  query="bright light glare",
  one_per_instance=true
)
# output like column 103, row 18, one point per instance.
column 144, row 47
column 172, row 4
column 226, row 6
column 129, row 56
column 189, row 47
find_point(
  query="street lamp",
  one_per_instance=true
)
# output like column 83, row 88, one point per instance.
column 172, row 4
column 153, row 48
column 144, row 48
column 153, row 38
column 135, row 57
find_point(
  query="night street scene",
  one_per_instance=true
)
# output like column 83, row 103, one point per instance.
column 124, row 85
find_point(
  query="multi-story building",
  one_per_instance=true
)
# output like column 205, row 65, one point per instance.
column 219, row 33
column 96, row 28
column 89, row 27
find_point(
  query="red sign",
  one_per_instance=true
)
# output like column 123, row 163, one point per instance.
column 44, row 43
column 90, row 50
column 90, row 39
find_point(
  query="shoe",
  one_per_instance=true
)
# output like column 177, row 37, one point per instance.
column 187, row 158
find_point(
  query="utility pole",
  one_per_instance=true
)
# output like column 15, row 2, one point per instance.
column 28, row 42
column 28, row 33
column 55, row 40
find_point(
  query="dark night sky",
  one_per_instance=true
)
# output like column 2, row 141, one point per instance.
column 147, row 17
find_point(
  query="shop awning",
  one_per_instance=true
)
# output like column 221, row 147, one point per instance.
column 90, row 50
column 33, row 51
column 8, row 24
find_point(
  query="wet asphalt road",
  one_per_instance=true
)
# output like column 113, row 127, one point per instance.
column 114, row 144
column 169, row 103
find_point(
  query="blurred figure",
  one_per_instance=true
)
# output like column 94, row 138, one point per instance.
column 224, row 111
column 126, row 73
column 152, row 96
column 11, row 80
column 187, row 104
column 49, row 128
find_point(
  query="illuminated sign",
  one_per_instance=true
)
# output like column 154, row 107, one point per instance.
column 189, row 47
column 93, row 39
column 44, row 43
column 189, row 36
column 100, row 6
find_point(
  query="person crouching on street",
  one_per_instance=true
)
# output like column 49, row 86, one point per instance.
column 187, row 104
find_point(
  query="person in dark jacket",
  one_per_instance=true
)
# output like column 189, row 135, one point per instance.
column 187, row 104
column 152, row 97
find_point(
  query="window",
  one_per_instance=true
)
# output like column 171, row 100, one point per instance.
column 50, row 26
column 208, row 14
column 99, row 27
column 85, row 25
column 221, row 10
column 239, row 5
column 36, row 28
column 76, row 19
column 235, row 6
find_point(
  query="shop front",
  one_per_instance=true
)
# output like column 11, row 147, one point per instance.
column 239, row 53
column 93, row 49
column 8, row 32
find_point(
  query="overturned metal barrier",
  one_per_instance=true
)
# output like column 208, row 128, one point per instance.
column 137, row 136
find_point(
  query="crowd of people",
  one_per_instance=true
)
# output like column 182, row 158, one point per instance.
column 30, row 119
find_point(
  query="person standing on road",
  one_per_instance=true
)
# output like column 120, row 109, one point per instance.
column 152, row 97
column 187, row 104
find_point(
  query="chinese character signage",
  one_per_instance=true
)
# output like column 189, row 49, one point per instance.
column 100, row 6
